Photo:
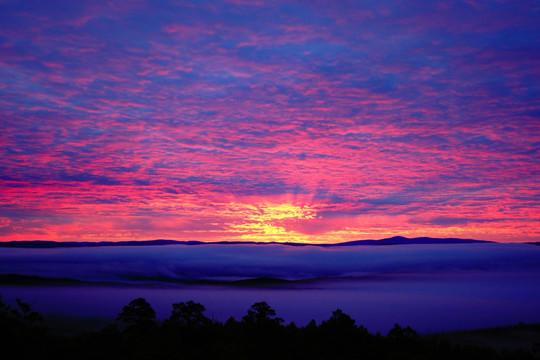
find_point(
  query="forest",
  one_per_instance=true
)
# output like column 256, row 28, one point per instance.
column 188, row 334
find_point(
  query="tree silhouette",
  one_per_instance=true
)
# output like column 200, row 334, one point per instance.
column 25, row 315
column 4, row 309
column 339, row 320
column 397, row 332
column 7, row 320
column 139, row 314
column 259, row 335
column 341, row 336
column 261, row 313
column 190, row 314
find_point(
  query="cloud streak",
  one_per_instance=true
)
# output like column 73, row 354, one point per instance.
column 205, row 119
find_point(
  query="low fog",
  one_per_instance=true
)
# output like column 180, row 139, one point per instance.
column 176, row 263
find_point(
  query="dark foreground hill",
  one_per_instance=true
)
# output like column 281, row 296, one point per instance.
column 260, row 334
column 396, row 240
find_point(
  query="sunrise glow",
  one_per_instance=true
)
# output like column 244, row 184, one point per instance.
column 269, row 121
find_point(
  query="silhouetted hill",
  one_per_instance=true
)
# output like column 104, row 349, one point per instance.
column 16, row 279
column 265, row 282
column 189, row 334
column 401, row 240
column 396, row 240
column 515, row 337
column 73, row 244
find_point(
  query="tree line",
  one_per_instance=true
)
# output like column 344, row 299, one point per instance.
column 188, row 334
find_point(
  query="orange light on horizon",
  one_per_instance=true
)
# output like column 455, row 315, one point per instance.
column 264, row 221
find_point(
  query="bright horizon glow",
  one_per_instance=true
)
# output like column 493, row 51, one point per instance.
column 284, row 121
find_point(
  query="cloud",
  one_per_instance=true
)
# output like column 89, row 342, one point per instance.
column 364, row 111
column 229, row 262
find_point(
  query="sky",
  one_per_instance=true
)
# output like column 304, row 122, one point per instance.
column 301, row 121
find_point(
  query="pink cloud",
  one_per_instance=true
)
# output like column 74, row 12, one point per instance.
column 372, row 123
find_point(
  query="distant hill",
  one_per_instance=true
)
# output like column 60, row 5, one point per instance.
column 16, row 279
column 72, row 244
column 396, row 240
column 401, row 240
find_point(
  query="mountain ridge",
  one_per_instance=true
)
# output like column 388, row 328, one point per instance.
column 395, row 240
